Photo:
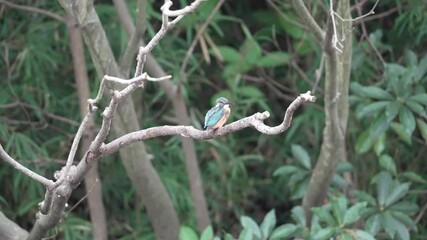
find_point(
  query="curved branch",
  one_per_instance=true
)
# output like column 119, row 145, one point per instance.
column 256, row 121
column 46, row 182
column 166, row 24
column 305, row 15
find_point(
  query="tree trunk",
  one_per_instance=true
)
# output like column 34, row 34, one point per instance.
column 144, row 178
column 333, row 149
column 92, row 181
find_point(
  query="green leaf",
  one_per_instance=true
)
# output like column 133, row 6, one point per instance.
column 402, row 232
column 299, row 189
column 393, row 70
column 399, row 192
column 229, row 237
column 421, row 69
column 286, row 170
column 376, row 93
column 401, row 132
column 420, row 98
column 379, row 126
column 422, row 126
column 298, row 215
column 249, row 223
column 380, row 144
column 323, row 214
column 339, row 181
column 268, row 223
column 370, row 92
column 230, row 54
column 414, row 177
column 384, row 183
column 345, row 235
column 410, row 58
column 207, row 234
column 393, row 226
column 250, row 49
column 364, row 142
column 392, row 110
column 372, row 108
column 274, row 59
column 353, row 213
column 324, row 234
column 246, row 234
column 365, row 197
column 387, row 163
column 405, row 206
column 373, row 224
column 417, row 108
column 404, row 218
column 389, row 224
column 283, row 232
column 301, row 156
column 407, row 119
column 360, row 234
column 187, row 233
column 289, row 27
column 339, row 207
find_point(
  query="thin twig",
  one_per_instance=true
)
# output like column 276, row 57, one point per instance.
column 336, row 42
column 84, row 197
column 33, row 9
column 371, row 12
column 46, row 182
column 136, row 80
column 371, row 44
column 198, row 35
column 43, row 111
column 305, row 15
column 421, row 214
column 166, row 13
column 74, row 147
column 284, row 16
column 377, row 16
column 318, row 73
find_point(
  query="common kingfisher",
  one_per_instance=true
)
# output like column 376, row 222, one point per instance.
column 218, row 115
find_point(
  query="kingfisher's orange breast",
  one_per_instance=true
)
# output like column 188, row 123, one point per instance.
column 223, row 119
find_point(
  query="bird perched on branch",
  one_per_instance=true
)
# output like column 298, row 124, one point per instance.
column 218, row 115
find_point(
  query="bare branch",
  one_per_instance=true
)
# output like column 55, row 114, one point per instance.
column 137, row 80
column 33, row 9
column 255, row 121
column 134, row 36
column 10, row 230
column 318, row 73
column 46, row 182
column 336, row 42
column 166, row 13
column 74, row 147
column 180, row 12
column 305, row 15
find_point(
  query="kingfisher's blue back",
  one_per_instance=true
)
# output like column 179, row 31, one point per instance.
column 213, row 116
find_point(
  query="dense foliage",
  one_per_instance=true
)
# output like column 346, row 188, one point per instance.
column 256, row 54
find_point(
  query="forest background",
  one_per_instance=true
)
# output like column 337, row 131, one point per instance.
column 352, row 164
